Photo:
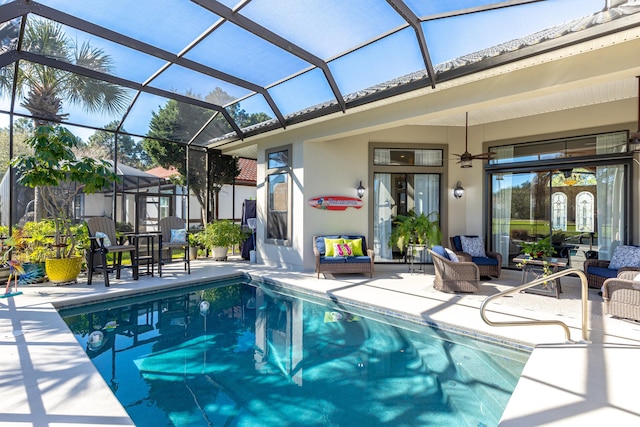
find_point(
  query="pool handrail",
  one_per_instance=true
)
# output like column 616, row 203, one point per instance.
column 539, row 281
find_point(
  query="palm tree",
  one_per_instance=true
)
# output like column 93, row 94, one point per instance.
column 44, row 89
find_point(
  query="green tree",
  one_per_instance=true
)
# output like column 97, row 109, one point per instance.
column 130, row 153
column 44, row 90
column 54, row 168
column 179, row 122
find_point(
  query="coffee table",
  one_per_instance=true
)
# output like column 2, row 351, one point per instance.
column 535, row 266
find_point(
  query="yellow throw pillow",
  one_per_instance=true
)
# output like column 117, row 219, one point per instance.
column 328, row 246
column 356, row 245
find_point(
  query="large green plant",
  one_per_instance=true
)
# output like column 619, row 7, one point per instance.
column 416, row 229
column 221, row 233
column 54, row 168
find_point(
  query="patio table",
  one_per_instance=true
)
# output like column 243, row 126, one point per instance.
column 535, row 266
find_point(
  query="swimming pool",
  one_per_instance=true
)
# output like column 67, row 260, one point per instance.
column 254, row 354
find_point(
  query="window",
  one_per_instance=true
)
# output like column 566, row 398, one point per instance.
column 580, row 146
column 559, row 206
column 278, row 194
column 584, row 212
column 407, row 157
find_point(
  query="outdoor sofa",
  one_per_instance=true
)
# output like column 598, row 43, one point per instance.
column 329, row 261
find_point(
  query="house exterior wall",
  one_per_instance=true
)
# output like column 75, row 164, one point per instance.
column 330, row 154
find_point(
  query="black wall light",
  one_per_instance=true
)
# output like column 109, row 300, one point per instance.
column 458, row 191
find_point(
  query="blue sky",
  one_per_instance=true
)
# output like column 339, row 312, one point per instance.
column 323, row 27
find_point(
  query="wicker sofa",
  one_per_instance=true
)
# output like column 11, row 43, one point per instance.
column 454, row 276
column 622, row 296
column 326, row 262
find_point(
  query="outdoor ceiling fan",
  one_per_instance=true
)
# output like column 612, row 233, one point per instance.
column 466, row 157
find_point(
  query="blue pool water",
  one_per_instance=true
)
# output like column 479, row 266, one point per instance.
column 238, row 354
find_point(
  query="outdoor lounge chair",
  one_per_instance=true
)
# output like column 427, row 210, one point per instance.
column 173, row 236
column 452, row 275
column 102, row 235
column 624, row 258
column 622, row 296
column 489, row 263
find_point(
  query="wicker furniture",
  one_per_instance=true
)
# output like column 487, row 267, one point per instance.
column 491, row 265
column 452, row 276
column 337, row 264
column 598, row 270
column 102, row 235
column 167, row 246
column 622, row 296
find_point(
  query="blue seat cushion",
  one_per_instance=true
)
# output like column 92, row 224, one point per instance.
column 358, row 259
column 440, row 251
column 333, row 260
column 603, row 272
column 484, row 261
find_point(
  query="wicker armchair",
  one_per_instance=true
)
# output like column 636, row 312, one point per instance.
column 491, row 265
column 622, row 296
column 598, row 271
column 453, row 277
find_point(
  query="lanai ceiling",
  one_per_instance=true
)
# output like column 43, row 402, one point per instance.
column 257, row 66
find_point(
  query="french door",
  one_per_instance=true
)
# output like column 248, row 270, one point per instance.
column 397, row 194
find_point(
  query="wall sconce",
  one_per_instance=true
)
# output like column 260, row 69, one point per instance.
column 458, row 191
column 360, row 190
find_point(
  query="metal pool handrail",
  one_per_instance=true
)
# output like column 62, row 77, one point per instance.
column 539, row 281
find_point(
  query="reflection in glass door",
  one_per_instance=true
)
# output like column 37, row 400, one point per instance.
column 580, row 210
column 396, row 194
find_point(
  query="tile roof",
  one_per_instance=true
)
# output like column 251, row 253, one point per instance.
column 248, row 171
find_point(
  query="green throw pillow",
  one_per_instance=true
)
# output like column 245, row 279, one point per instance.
column 328, row 246
column 356, row 245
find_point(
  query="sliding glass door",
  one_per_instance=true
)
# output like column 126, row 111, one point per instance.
column 580, row 209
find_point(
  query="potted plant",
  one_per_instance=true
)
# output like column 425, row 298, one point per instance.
column 419, row 231
column 53, row 169
column 219, row 235
column 195, row 245
column 538, row 249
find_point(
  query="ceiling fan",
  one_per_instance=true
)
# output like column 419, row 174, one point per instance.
column 466, row 157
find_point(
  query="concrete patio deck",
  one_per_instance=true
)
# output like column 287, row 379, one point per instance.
column 46, row 377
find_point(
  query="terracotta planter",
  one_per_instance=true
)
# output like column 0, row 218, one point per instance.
column 60, row 270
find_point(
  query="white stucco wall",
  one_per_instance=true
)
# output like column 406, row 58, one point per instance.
column 330, row 153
